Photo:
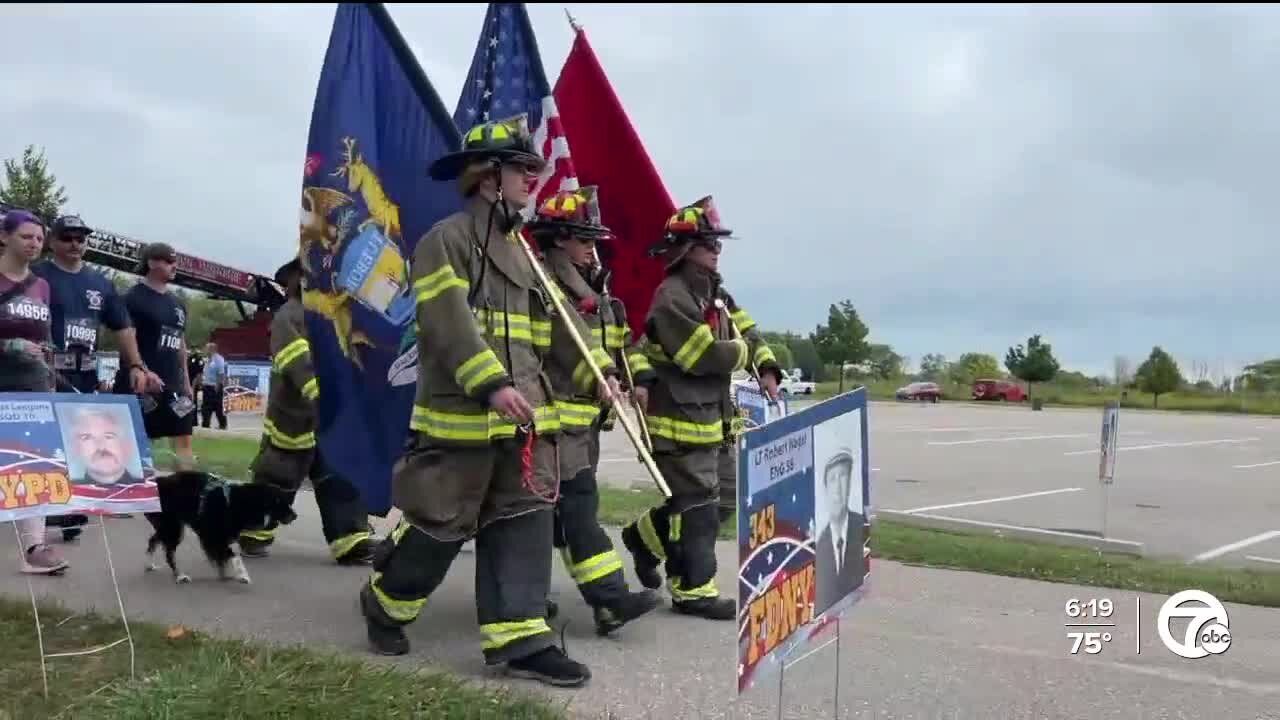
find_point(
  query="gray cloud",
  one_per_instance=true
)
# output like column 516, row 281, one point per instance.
column 967, row 176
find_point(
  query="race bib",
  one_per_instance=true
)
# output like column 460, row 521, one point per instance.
column 26, row 309
column 81, row 332
column 170, row 339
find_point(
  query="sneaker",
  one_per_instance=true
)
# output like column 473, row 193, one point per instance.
column 717, row 608
column 43, row 560
column 632, row 606
column 386, row 639
column 552, row 667
column 646, row 568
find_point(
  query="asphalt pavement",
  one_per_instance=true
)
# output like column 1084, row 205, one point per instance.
column 921, row 644
column 1192, row 487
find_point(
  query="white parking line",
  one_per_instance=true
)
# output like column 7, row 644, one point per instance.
column 992, row 500
column 1255, row 558
column 1015, row 438
column 1191, row 443
column 1256, row 465
column 1217, row 552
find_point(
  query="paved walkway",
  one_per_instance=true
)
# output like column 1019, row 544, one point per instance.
column 923, row 644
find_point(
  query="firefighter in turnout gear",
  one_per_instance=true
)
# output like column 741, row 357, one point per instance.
column 566, row 228
column 288, row 452
column 695, row 346
column 481, row 461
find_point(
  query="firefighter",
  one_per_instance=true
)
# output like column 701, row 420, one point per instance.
column 481, row 458
column 695, row 347
column 566, row 228
column 288, row 451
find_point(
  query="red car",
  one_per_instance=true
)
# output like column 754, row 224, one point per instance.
column 920, row 391
column 998, row 390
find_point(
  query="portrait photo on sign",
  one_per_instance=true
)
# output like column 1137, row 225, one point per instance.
column 838, row 509
column 100, row 443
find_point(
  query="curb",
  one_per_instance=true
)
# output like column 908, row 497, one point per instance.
column 1017, row 532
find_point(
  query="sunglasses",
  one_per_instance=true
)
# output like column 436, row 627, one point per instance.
column 77, row 239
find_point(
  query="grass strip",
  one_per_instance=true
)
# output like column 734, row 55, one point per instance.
column 190, row 675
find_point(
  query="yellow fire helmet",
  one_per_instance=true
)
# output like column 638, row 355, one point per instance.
column 505, row 140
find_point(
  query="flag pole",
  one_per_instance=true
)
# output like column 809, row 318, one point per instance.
column 573, row 23
column 645, row 457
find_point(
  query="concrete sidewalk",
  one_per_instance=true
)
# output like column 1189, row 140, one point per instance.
column 923, row 644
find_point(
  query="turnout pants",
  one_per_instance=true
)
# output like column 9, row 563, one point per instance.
column 450, row 494
column 344, row 518
column 682, row 531
column 585, row 549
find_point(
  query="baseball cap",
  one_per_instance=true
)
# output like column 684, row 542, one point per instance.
column 156, row 251
column 71, row 224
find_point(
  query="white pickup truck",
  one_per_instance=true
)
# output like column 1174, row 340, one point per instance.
column 792, row 384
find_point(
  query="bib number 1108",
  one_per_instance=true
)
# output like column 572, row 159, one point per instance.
column 170, row 342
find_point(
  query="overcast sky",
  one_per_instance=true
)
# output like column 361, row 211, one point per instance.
column 969, row 175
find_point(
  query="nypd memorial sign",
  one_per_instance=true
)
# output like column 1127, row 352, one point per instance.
column 803, row 500
column 69, row 453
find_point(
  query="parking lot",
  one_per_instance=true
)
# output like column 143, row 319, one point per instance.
column 1199, row 487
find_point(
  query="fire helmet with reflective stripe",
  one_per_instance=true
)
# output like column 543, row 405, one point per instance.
column 503, row 140
column 569, row 213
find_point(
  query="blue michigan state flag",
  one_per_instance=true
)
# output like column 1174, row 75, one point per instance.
column 366, row 200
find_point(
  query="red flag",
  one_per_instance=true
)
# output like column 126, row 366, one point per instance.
column 607, row 152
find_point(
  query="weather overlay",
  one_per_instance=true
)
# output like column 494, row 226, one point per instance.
column 801, row 502
column 63, row 453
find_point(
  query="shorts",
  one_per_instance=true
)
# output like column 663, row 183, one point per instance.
column 162, row 422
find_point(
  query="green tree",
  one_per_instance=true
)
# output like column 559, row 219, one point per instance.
column 783, row 353
column 933, row 367
column 29, row 184
column 974, row 366
column 1159, row 374
column 844, row 338
column 1033, row 363
column 805, row 354
column 1261, row 377
column 885, row 363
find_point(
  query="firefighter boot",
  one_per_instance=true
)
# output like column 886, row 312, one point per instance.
column 645, row 557
column 362, row 553
column 631, row 606
column 550, row 666
column 386, row 637
column 715, row 608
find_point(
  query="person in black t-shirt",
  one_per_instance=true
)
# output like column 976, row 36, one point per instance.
column 160, row 323
column 82, row 301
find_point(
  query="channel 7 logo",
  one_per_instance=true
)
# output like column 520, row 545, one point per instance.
column 1207, row 630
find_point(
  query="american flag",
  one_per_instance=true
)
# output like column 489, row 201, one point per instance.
column 507, row 79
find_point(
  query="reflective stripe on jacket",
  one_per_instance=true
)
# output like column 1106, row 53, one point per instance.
column 290, row 420
column 694, row 353
column 506, row 335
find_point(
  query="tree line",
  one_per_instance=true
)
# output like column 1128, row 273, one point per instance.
column 843, row 345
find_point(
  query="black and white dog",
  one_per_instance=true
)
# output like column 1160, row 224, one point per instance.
column 217, row 512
